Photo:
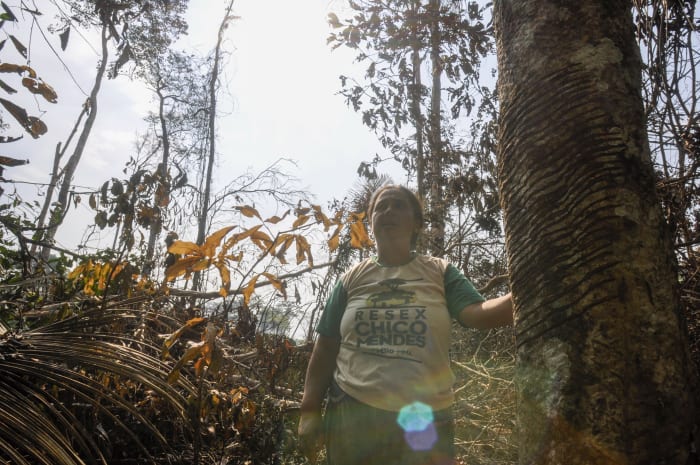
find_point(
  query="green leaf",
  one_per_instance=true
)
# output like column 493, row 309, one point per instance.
column 7, row 15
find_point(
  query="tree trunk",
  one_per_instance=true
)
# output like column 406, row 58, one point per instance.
column 436, row 208
column 603, row 373
column 415, row 108
column 213, row 87
column 63, row 202
column 56, row 174
column 163, row 189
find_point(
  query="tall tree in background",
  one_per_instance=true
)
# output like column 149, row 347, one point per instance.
column 180, row 117
column 418, row 56
column 63, row 176
column 139, row 31
column 203, row 217
column 603, row 372
column 437, row 207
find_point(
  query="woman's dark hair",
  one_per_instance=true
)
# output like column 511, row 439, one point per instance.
column 413, row 200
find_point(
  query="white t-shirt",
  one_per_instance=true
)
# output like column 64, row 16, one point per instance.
column 394, row 326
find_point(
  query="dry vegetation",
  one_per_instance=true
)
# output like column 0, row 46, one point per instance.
column 484, row 364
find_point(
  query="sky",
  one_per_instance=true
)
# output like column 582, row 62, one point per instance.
column 281, row 83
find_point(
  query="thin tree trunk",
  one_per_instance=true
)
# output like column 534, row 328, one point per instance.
column 164, row 186
column 603, row 374
column 69, row 169
column 204, row 208
column 436, row 208
column 416, row 113
column 56, row 174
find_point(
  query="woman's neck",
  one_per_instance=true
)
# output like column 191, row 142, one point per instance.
column 394, row 257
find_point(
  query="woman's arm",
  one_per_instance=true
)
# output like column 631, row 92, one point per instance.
column 489, row 314
column 318, row 377
column 319, row 373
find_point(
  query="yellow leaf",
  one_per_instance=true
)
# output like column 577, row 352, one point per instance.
column 276, row 219
column 276, row 283
column 87, row 289
column 225, row 276
column 300, row 221
column 117, row 269
column 237, row 394
column 283, row 242
column 76, row 272
column 357, row 216
column 36, row 127
column 170, row 340
column 262, row 240
column 198, row 366
column 248, row 211
column 11, row 68
column 202, row 264
column 180, row 267
column 190, row 354
column 248, row 291
column 213, row 241
column 303, row 250
column 334, row 241
column 194, row 351
column 184, row 248
column 37, row 86
column 235, row 238
column 319, row 216
column 281, row 258
column 357, row 235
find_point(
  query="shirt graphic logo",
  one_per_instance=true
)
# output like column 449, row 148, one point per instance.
column 391, row 324
column 393, row 296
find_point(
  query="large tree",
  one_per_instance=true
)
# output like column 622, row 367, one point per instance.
column 603, row 372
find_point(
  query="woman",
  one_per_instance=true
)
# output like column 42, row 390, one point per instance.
column 382, row 352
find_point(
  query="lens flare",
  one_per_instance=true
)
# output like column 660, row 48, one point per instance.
column 415, row 417
column 422, row 440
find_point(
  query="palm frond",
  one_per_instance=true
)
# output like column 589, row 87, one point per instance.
column 65, row 388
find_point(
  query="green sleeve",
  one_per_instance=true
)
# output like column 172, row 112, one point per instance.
column 329, row 324
column 459, row 291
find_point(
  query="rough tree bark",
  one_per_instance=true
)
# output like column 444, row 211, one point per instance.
column 603, row 373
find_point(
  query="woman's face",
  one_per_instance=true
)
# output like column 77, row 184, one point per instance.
column 393, row 217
